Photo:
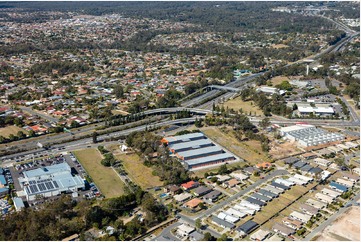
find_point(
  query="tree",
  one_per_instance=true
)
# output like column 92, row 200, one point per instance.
column 94, row 136
column 264, row 123
column 118, row 91
column 208, row 237
column 32, row 133
column 198, row 223
column 223, row 169
column 21, row 134
column 223, row 238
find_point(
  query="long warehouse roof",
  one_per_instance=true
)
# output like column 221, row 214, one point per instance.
column 184, row 138
column 209, row 159
column 201, row 151
column 192, row 144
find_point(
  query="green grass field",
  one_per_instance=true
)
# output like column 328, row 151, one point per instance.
column 138, row 172
column 106, row 179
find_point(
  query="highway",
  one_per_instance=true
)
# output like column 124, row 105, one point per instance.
column 84, row 143
column 331, row 219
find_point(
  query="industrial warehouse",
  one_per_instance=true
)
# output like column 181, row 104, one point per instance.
column 309, row 135
column 50, row 181
column 195, row 150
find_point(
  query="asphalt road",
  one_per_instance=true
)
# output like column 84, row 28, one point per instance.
column 167, row 232
column 331, row 219
column 40, row 114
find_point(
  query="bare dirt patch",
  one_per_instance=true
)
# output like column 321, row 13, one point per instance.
column 279, row 46
column 346, row 227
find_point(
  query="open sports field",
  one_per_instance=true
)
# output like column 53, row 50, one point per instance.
column 11, row 130
column 246, row 107
column 106, row 179
column 138, row 172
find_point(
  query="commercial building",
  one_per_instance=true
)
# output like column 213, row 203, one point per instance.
column 309, row 135
column 171, row 140
column 50, row 181
column 318, row 110
column 195, row 150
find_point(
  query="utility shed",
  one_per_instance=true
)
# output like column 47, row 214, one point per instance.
column 247, row 227
column 255, row 201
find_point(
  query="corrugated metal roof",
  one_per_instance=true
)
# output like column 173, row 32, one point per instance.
column 209, row 159
column 191, row 144
column 201, row 151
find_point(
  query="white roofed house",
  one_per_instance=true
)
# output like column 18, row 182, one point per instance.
column 324, row 198
column 184, row 230
column 345, row 182
column 322, row 162
column 300, row 216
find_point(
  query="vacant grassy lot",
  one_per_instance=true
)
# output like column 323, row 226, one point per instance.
column 248, row 150
column 105, row 178
column 278, row 80
column 138, row 172
column 200, row 173
column 11, row 130
column 247, row 107
column 271, row 209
